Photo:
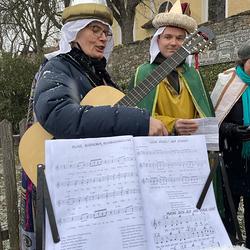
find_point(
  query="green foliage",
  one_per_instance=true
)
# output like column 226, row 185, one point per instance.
column 16, row 75
column 210, row 73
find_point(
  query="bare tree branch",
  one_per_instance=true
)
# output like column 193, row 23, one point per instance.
column 124, row 13
column 36, row 20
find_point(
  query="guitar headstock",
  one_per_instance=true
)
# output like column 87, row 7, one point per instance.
column 199, row 40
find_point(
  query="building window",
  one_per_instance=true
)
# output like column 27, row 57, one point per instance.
column 165, row 6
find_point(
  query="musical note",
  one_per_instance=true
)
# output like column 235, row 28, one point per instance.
column 98, row 196
column 184, row 231
column 96, row 179
column 101, row 213
column 95, row 163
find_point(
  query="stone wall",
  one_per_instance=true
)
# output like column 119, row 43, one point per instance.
column 230, row 34
column 125, row 59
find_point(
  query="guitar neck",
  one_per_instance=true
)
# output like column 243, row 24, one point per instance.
column 151, row 81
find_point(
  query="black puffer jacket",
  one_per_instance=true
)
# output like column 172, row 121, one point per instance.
column 62, row 84
column 238, row 168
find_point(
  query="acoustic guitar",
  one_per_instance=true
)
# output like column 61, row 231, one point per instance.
column 32, row 144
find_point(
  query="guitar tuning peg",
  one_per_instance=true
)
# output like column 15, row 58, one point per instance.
column 188, row 39
column 195, row 32
column 195, row 48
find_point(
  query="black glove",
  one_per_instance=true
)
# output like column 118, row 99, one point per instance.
column 238, row 132
column 243, row 132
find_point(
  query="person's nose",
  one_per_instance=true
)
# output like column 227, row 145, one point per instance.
column 173, row 41
column 104, row 36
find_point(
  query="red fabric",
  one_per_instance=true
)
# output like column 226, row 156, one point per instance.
column 196, row 61
column 186, row 9
column 28, row 205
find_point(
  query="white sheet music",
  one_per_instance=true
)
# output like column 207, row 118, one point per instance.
column 172, row 173
column 209, row 127
column 131, row 193
column 95, row 193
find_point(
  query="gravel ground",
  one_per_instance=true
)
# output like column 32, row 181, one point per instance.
column 3, row 211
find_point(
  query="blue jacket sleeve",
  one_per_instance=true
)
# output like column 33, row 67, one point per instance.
column 57, row 108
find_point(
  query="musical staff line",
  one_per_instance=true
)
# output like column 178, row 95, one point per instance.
column 101, row 213
column 184, row 230
column 163, row 180
column 166, row 152
column 97, row 179
column 162, row 164
column 98, row 196
column 94, row 163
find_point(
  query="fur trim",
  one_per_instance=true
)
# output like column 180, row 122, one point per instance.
column 87, row 11
column 176, row 20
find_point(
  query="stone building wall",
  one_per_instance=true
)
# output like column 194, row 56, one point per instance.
column 125, row 59
column 230, row 34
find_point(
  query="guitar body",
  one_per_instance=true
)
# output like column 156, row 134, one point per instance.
column 32, row 145
column 31, row 149
column 102, row 95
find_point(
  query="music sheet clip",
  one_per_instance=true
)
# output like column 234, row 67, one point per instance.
column 44, row 202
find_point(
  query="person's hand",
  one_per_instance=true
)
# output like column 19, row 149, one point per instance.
column 185, row 126
column 156, row 127
column 238, row 132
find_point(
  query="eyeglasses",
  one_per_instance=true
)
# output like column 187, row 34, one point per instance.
column 98, row 31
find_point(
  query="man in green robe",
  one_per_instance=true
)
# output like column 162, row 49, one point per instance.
column 181, row 96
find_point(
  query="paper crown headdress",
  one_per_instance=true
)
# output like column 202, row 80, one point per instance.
column 87, row 9
column 177, row 16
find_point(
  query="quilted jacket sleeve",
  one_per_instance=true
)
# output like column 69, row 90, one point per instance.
column 57, row 107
